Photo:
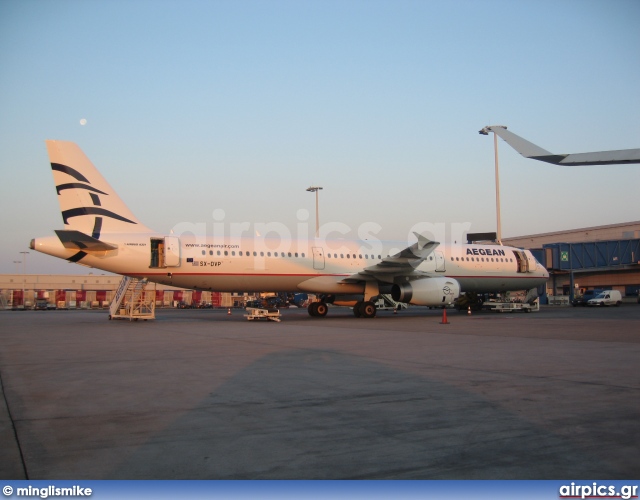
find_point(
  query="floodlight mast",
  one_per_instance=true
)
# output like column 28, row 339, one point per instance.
column 315, row 189
column 24, row 277
column 485, row 131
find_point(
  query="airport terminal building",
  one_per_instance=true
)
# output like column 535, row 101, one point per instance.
column 93, row 291
column 604, row 257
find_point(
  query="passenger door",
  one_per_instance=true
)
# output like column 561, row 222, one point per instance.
column 318, row 258
column 171, row 251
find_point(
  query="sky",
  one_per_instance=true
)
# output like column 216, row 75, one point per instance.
column 188, row 107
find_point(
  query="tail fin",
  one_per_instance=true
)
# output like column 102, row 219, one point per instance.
column 87, row 202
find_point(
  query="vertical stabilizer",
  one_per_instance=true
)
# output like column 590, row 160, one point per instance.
column 87, row 202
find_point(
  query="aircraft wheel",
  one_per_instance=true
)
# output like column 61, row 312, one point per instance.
column 109, row 317
column 312, row 309
column 368, row 309
column 357, row 309
column 321, row 309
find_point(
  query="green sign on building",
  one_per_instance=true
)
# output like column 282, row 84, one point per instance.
column 564, row 256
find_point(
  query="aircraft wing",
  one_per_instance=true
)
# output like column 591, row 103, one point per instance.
column 404, row 263
column 530, row 150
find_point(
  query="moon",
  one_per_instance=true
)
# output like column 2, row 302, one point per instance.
column 83, row 121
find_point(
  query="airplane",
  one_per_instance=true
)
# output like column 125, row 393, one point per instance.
column 530, row 150
column 101, row 232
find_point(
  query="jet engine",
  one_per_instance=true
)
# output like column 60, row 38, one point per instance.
column 427, row 291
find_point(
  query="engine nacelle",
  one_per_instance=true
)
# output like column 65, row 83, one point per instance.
column 427, row 291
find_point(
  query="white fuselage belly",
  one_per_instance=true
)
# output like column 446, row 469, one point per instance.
column 204, row 265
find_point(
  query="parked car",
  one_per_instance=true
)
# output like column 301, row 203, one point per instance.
column 41, row 305
column 584, row 299
column 607, row 298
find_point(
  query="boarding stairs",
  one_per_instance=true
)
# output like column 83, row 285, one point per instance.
column 4, row 303
column 131, row 301
column 385, row 302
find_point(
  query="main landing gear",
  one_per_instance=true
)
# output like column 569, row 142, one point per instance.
column 362, row 309
column 366, row 309
column 318, row 309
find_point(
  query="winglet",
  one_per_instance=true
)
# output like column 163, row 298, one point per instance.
column 422, row 240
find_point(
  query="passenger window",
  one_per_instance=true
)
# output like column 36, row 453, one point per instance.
column 226, row 252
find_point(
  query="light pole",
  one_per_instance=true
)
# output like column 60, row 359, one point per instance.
column 16, row 262
column 485, row 131
column 315, row 189
column 24, row 278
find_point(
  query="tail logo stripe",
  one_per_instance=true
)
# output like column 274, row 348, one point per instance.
column 97, row 227
column 76, row 212
column 77, row 257
column 77, row 185
column 69, row 171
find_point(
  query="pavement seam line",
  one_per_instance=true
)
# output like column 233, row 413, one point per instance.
column 13, row 426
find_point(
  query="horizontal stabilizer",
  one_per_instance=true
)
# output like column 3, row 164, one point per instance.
column 80, row 241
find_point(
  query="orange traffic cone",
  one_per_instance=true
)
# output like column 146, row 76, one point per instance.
column 444, row 317
column 229, row 312
column 469, row 310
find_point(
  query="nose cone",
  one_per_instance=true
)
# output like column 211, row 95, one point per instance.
column 32, row 244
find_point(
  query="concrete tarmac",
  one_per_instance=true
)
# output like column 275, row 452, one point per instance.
column 202, row 395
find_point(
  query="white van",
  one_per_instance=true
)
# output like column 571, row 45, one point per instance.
column 607, row 298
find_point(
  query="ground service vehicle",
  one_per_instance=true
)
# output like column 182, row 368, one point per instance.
column 607, row 298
